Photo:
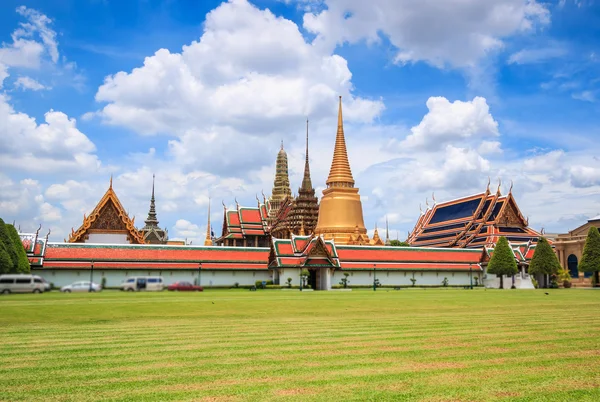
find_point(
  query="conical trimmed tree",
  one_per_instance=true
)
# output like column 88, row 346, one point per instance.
column 503, row 261
column 590, row 260
column 544, row 259
column 6, row 264
column 23, row 266
column 7, row 245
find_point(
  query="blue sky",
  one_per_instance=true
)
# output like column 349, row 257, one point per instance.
column 437, row 98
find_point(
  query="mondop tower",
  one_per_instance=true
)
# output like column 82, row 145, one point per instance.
column 340, row 212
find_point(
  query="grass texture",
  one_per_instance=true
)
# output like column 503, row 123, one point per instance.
column 432, row 345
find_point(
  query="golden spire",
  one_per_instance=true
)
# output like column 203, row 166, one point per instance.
column 208, row 240
column 340, row 174
column 306, row 182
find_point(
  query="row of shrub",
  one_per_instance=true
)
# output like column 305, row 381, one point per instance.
column 13, row 258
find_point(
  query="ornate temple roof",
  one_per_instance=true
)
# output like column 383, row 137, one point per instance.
column 244, row 221
column 472, row 221
column 314, row 251
column 108, row 216
column 152, row 233
column 153, row 257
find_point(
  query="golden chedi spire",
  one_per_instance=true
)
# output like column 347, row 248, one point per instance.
column 208, row 241
column 281, row 184
column 340, row 211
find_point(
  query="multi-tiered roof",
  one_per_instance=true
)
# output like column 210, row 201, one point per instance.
column 245, row 226
column 474, row 221
column 153, row 234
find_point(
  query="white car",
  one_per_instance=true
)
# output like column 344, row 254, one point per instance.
column 81, row 287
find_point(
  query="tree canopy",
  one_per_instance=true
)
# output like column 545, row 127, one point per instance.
column 398, row 243
column 590, row 260
column 13, row 258
column 21, row 265
column 544, row 259
column 503, row 260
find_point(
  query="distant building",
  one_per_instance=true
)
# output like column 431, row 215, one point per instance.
column 152, row 233
column 245, row 227
column 569, row 248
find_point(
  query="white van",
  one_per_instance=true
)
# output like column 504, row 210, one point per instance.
column 137, row 283
column 21, row 283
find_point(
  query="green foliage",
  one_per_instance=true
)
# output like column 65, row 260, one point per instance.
column 503, row 260
column 398, row 243
column 22, row 262
column 274, row 287
column 259, row 284
column 590, row 260
column 289, row 282
column 6, row 264
column 563, row 275
column 413, row 280
column 445, row 282
column 7, row 244
column 535, row 282
column 476, row 279
column 344, row 281
column 544, row 259
column 236, row 285
column 377, row 283
column 103, row 282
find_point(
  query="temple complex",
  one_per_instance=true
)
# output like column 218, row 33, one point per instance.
column 298, row 215
column 245, row 226
column 108, row 223
column 472, row 222
column 340, row 212
column 152, row 233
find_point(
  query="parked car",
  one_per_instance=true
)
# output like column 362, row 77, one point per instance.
column 47, row 285
column 81, row 287
column 185, row 287
column 21, row 283
column 138, row 283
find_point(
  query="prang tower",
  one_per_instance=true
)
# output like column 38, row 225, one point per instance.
column 340, row 211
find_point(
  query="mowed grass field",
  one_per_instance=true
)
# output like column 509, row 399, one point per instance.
column 435, row 345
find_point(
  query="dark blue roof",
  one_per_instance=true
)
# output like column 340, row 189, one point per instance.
column 456, row 211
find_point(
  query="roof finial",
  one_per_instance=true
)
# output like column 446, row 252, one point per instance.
column 110, row 186
column 282, row 145
column 433, row 197
column 152, row 185
column 236, row 203
column 208, row 240
column 511, row 186
column 387, row 232
column 488, row 185
column 427, row 202
column 499, row 184
column 306, row 181
column 420, row 208
column 224, row 206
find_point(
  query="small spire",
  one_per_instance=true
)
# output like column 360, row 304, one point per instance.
column 302, row 233
column 110, row 186
column 387, row 233
column 208, row 240
column 511, row 186
column 152, row 221
column 306, row 181
column 282, row 145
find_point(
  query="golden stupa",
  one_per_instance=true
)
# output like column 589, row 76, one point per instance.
column 340, row 211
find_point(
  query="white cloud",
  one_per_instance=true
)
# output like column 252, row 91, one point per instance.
column 49, row 213
column 54, row 145
column 29, row 83
column 448, row 122
column 223, row 97
column 585, row 176
column 452, row 32
column 531, row 56
column 3, row 74
column 25, row 50
column 587, row 96
column 550, row 161
column 490, row 148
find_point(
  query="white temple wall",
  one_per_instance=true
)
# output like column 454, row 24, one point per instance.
column 114, row 278
column 402, row 278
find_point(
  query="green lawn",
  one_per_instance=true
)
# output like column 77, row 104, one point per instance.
column 436, row 345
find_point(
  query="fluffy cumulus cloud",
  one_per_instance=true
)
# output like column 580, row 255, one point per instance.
column 52, row 146
column 453, row 32
column 451, row 121
column 249, row 75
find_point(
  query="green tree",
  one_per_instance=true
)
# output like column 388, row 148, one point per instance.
column 544, row 259
column 590, row 260
column 22, row 265
column 398, row 243
column 6, row 263
column 7, row 244
column 503, row 261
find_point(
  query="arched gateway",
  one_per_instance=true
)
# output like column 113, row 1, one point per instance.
column 572, row 265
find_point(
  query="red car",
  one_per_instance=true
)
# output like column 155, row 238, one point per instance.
column 184, row 287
